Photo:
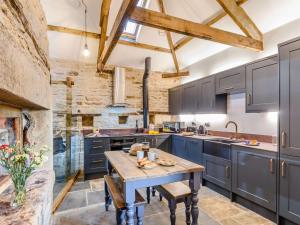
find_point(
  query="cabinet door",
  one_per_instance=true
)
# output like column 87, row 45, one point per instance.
column 195, row 150
column 206, row 94
column 289, row 115
column 217, row 171
column 163, row 143
column 262, row 85
column 289, row 200
column 231, row 81
column 189, row 99
column 254, row 177
column 175, row 100
column 179, row 147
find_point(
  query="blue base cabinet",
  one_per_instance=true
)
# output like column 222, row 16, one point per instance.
column 289, row 199
column 217, row 171
column 254, row 175
column 188, row 148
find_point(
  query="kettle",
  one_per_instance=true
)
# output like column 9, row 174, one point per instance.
column 201, row 130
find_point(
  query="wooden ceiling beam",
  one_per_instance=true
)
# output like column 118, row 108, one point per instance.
column 173, row 24
column 210, row 21
column 97, row 36
column 169, row 38
column 177, row 74
column 241, row 18
column 68, row 30
column 144, row 46
column 103, row 24
column 124, row 13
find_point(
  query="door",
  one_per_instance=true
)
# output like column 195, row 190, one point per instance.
column 175, row 95
column 289, row 200
column 254, row 176
column 179, row 147
column 217, row 171
column 262, row 85
column 206, row 94
column 189, row 99
column 289, row 115
column 195, row 150
column 231, row 81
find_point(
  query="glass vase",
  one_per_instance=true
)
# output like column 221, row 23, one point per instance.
column 19, row 194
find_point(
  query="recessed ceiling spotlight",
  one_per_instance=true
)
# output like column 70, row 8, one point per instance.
column 74, row 3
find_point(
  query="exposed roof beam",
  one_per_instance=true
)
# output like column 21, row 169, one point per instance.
column 169, row 37
column 210, row 21
column 241, row 18
column 73, row 31
column 97, row 36
column 178, row 25
column 177, row 74
column 124, row 13
column 103, row 24
column 144, row 46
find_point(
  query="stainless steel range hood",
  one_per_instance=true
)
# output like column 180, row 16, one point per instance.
column 119, row 85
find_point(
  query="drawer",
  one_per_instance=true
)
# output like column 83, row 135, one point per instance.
column 95, row 164
column 95, row 150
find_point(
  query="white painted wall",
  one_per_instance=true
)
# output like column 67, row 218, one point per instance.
column 251, row 123
column 254, row 123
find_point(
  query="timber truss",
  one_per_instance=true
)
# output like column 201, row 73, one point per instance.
column 252, row 39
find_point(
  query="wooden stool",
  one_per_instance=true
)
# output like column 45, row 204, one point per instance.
column 176, row 193
column 113, row 192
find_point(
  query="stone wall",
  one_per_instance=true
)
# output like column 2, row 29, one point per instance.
column 92, row 93
column 25, row 73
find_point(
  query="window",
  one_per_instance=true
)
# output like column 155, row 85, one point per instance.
column 132, row 29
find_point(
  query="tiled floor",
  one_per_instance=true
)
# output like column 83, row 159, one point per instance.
column 84, row 205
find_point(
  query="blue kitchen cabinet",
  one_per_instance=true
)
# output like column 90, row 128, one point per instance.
column 195, row 150
column 188, row 148
column 179, row 147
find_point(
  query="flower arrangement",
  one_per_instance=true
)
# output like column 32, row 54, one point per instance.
column 20, row 162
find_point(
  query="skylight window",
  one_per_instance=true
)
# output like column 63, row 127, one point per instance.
column 132, row 29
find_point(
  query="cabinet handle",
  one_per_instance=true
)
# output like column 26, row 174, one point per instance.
column 228, row 88
column 97, row 161
column 271, row 165
column 283, row 169
column 283, row 139
column 99, row 146
column 249, row 99
column 227, row 171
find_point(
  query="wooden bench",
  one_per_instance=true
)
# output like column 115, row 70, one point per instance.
column 176, row 193
column 114, row 194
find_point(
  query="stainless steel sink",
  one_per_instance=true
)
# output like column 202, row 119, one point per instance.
column 224, row 140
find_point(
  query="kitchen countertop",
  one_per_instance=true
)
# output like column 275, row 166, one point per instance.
column 262, row 146
column 127, row 135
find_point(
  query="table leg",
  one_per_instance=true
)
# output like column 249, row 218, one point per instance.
column 195, row 186
column 109, row 168
column 129, row 194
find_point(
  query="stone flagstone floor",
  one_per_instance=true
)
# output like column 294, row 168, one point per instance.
column 84, row 205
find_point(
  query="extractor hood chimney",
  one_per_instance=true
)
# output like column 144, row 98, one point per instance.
column 119, row 81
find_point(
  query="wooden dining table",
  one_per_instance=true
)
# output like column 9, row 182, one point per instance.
column 133, row 178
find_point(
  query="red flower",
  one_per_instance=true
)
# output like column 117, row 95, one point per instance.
column 2, row 147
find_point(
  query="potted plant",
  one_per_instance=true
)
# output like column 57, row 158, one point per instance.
column 20, row 162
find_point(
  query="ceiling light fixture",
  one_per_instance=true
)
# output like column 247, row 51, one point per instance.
column 86, row 51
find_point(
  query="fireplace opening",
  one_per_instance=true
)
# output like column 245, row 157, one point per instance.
column 10, row 127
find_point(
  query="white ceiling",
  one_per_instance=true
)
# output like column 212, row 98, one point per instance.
column 267, row 14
